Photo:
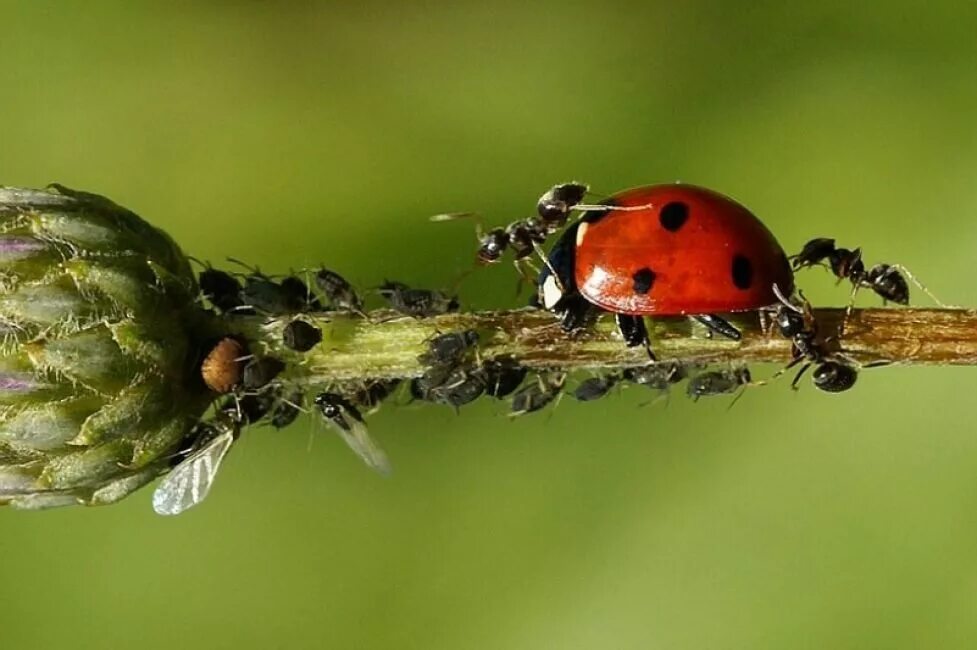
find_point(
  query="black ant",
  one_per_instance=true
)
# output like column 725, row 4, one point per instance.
column 525, row 236
column 888, row 281
column 797, row 323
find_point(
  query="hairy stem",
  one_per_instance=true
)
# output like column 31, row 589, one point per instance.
column 386, row 344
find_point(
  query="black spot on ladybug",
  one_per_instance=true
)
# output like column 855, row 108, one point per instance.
column 643, row 279
column 673, row 215
column 742, row 272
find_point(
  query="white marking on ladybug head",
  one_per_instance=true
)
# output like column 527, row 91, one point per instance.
column 582, row 232
column 551, row 292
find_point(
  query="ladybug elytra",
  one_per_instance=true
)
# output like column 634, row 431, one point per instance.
column 664, row 250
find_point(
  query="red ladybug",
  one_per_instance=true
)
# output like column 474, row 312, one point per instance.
column 689, row 252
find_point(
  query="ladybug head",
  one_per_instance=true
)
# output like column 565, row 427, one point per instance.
column 556, row 281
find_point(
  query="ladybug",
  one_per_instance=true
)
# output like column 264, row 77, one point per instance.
column 664, row 250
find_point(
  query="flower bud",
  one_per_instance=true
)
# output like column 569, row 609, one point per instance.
column 99, row 349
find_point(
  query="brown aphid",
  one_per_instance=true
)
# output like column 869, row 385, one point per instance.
column 224, row 365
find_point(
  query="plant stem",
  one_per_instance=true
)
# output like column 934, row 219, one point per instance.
column 386, row 345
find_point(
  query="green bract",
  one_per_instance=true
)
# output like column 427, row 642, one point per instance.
column 98, row 361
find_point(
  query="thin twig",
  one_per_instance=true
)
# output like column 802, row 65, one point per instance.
column 387, row 345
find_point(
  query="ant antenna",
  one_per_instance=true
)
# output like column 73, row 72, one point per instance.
column 922, row 287
column 452, row 216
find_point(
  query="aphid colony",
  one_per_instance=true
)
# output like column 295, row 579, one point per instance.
column 254, row 389
column 662, row 250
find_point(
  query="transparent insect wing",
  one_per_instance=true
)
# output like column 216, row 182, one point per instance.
column 355, row 435
column 190, row 481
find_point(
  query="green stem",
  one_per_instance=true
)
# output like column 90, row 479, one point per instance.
column 386, row 345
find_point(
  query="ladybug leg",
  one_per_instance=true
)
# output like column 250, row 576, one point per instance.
column 635, row 332
column 574, row 312
column 719, row 326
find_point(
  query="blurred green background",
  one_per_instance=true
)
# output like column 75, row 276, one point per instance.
column 327, row 132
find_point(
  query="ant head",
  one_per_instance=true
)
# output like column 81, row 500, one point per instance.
column 555, row 204
column 492, row 245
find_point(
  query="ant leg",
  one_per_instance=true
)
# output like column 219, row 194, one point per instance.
column 541, row 254
column 849, row 309
column 739, row 394
column 742, row 391
column 719, row 326
column 793, row 362
column 800, row 373
column 635, row 332
column 455, row 284
column 527, row 274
